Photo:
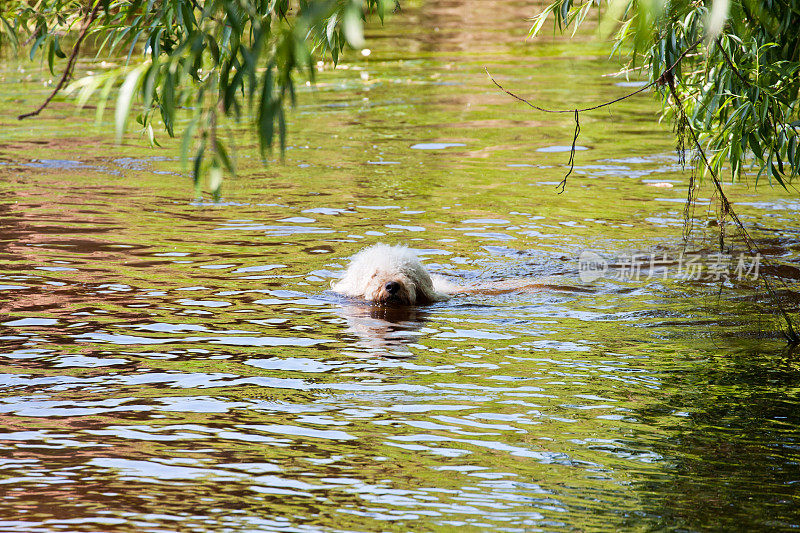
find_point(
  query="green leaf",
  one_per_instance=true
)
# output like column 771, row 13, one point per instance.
column 198, row 162
column 282, row 129
column 167, row 100
column 330, row 29
column 125, row 100
column 104, row 96
column 58, row 51
column 223, row 157
column 564, row 10
column 381, row 9
column 151, row 136
column 39, row 40
column 215, row 180
column 10, row 32
column 234, row 86
column 148, row 88
column 353, row 25
column 186, row 140
column 539, row 20
column 85, row 87
column 755, row 146
column 213, row 48
column 266, row 113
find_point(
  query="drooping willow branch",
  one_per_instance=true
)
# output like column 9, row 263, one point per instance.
column 726, row 210
column 774, row 122
column 87, row 21
column 667, row 78
column 661, row 80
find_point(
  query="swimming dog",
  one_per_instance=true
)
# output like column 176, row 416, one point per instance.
column 383, row 274
column 386, row 274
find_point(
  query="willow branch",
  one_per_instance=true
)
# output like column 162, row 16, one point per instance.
column 727, row 209
column 661, row 80
column 87, row 21
column 666, row 77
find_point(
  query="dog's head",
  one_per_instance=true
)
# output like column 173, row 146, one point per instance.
column 391, row 286
column 387, row 275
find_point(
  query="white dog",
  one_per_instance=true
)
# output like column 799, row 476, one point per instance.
column 391, row 275
column 385, row 274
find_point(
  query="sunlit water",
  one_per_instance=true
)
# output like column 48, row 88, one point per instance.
column 169, row 364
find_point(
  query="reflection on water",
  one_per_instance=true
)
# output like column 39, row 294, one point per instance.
column 167, row 363
column 383, row 330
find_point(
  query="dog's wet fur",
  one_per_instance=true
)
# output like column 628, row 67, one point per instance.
column 392, row 275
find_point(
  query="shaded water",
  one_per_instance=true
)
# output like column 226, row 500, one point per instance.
column 173, row 365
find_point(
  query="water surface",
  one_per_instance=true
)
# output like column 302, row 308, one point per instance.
column 171, row 364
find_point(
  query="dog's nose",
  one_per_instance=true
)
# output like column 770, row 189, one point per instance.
column 392, row 287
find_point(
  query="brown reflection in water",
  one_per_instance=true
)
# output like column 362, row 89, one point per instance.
column 51, row 227
column 384, row 327
column 460, row 25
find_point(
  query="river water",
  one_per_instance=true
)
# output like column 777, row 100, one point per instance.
column 171, row 364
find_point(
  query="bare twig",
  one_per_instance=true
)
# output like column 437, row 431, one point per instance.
column 662, row 80
column 571, row 162
column 90, row 17
column 604, row 104
column 666, row 77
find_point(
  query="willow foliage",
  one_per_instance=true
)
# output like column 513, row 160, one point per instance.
column 734, row 65
column 191, row 60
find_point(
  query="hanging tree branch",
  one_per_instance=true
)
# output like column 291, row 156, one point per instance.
column 668, row 79
column 726, row 209
column 571, row 162
column 664, row 78
column 604, row 104
column 87, row 21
